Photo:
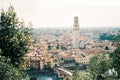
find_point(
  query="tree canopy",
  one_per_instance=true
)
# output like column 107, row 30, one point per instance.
column 99, row 68
column 116, row 60
column 76, row 75
column 15, row 37
column 7, row 71
column 111, row 37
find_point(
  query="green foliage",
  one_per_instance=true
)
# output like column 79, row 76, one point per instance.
column 84, row 75
column 118, row 41
column 25, row 64
column 49, row 47
column 116, row 61
column 106, row 48
column 110, row 37
column 57, row 47
column 99, row 66
column 7, row 71
column 76, row 75
column 81, row 75
column 116, row 58
column 15, row 38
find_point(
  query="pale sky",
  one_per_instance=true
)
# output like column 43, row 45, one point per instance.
column 60, row 13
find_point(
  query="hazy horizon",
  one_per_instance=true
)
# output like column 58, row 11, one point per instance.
column 60, row 13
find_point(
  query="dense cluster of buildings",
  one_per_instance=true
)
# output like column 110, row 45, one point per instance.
column 68, row 50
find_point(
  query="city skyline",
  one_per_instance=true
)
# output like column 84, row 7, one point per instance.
column 54, row 13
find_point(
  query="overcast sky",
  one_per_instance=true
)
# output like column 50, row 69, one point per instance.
column 60, row 13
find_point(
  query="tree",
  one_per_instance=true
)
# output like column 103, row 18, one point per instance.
column 116, row 57
column 116, row 61
column 106, row 48
column 57, row 47
column 110, row 37
column 7, row 71
column 76, row 75
column 99, row 66
column 85, row 75
column 81, row 75
column 49, row 47
column 15, row 38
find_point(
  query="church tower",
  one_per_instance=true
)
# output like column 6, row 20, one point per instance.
column 75, row 33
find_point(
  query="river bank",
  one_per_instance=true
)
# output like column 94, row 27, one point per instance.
column 48, row 74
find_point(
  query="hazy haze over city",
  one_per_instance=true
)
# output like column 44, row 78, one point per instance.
column 60, row 13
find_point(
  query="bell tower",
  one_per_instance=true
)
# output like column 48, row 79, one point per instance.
column 75, row 33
